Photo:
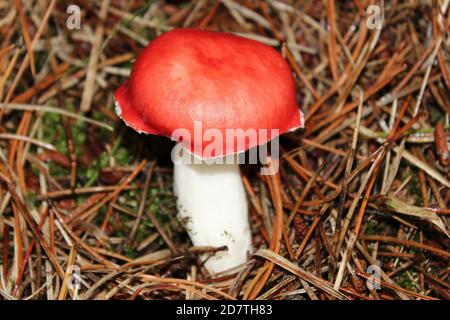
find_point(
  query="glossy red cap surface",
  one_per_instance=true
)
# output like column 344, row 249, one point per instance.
column 188, row 78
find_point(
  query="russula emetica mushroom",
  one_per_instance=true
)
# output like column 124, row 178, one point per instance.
column 220, row 84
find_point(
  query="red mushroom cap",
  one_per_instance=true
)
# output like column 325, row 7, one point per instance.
column 188, row 78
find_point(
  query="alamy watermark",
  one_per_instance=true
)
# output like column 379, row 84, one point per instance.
column 374, row 281
column 374, row 19
column 73, row 21
column 227, row 146
column 74, row 281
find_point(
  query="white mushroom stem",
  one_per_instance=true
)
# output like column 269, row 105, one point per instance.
column 213, row 206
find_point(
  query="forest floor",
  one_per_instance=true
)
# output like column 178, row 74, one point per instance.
column 358, row 210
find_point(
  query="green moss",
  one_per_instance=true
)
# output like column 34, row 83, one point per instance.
column 53, row 132
column 145, row 228
column 93, row 171
column 80, row 199
column 31, row 199
column 120, row 153
column 122, row 156
column 129, row 252
column 406, row 282
column 371, row 227
column 161, row 204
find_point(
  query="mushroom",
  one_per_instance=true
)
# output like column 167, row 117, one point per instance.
column 210, row 91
